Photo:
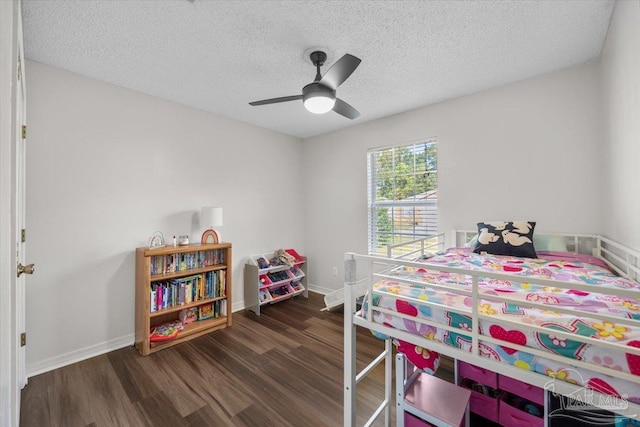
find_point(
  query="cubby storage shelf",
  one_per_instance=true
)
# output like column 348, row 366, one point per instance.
column 491, row 394
column 259, row 289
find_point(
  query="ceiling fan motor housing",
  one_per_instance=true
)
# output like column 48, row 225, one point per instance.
column 316, row 89
column 318, row 57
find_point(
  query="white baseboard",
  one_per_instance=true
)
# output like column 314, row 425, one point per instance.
column 238, row 306
column 319, row 289
column 78, row 355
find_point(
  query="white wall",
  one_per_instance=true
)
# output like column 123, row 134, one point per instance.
column 528, row 150
column 620, row 66
column 106, row 168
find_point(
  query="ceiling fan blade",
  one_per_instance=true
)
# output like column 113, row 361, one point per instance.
column 345, row 109
column 276, row 100
column 340, row 71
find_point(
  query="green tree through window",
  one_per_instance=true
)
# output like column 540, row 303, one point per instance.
column 402, row 194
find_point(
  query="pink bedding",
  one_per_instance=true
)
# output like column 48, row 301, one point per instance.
column 561, row 256
column 550, row 265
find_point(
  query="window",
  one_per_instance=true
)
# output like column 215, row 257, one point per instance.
column 403, row 194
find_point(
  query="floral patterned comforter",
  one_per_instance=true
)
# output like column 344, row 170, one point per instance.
column 386, row 292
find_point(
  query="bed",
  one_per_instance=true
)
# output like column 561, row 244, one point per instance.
column 566, row 321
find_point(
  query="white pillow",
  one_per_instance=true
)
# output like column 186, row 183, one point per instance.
column 540, row 242
column 550, row 243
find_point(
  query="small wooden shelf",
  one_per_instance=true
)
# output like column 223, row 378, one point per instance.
column 146, row 319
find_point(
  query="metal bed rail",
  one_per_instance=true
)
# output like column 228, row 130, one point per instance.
column 626, row 261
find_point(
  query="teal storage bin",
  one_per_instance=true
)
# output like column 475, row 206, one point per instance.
column 626, row 422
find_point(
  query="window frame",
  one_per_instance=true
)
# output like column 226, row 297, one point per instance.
column 398, row 206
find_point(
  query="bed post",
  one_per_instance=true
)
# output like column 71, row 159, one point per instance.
column 388, row 378
column 453, row 239
column 349, row 342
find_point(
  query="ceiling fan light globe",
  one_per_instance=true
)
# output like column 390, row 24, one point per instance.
column 319, row 103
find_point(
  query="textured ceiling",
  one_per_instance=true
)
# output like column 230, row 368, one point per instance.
column 219, row 55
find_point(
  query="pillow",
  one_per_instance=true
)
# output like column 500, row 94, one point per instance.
column 472, row 241
column 542, row 242
column 550, row 243
column 506, row 238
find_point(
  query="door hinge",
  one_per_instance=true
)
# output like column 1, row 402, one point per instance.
column 24, row 131
column 23, row 235
column 23, row 339
column 19, row 69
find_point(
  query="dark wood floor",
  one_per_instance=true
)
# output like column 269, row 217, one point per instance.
column 284, row 368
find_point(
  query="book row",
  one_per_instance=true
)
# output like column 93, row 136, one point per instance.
column 205, row 311
column 186, row 290
column 171, row 263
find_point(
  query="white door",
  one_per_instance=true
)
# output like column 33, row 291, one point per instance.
column 12, row 212
column 20, row 149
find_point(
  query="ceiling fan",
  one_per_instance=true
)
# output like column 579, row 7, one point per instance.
column 319, row 97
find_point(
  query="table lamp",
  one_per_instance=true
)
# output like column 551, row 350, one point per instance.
column 210, row 217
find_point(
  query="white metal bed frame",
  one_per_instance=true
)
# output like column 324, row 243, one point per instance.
column 625, row 261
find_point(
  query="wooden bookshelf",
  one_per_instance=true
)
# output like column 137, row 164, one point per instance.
column 147, row 264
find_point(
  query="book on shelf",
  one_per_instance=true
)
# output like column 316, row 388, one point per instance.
column 154, row 302
column 173, row 263
column 223, row 307
column 187, row 290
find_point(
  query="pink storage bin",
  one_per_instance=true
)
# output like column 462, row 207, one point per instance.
column 482, row 404
column 481, row 375
column 527, row 391
column 264, row 280
column 278, row 297
column 514, row 417
column 295, row 254
column 290, row 274
column 412, row 421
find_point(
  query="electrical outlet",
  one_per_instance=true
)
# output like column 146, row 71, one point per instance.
column 334, row 271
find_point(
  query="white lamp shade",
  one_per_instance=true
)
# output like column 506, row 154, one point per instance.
column 210, row 217
column 319, row 103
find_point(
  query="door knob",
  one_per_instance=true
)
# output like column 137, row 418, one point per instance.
column 27, row 269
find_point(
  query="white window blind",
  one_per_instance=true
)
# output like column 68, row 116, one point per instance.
column 402, row 194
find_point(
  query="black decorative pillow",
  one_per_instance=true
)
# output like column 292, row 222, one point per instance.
column 506, row 238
